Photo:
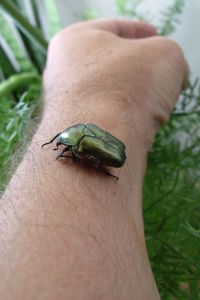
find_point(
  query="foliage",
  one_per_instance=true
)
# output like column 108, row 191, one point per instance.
column 170, row 17
column 91, row 14
column 22, row 57
column 171, row 201
column 129, row 8
column 21, row 21
column 14, row 117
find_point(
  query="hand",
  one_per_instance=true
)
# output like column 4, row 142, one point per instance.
column 123, row 64
column 70, row 232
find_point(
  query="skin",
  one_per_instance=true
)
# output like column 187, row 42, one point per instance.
column 72, row 232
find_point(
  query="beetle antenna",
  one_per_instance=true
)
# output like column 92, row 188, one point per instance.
column 51, row 141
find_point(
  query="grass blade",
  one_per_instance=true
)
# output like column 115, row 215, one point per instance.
column 8, row 62
column 32, row 32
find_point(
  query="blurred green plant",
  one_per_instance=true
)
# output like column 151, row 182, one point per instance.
column 23, row 48
column 16, row 117
column 171, row 206
column 129, row 9
column 170, row 17
column 171, row 189
column 91, row 14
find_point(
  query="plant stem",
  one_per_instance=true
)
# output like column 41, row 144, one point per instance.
column 16, row 81
column 31, row 31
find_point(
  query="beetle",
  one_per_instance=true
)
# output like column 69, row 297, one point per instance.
column 91, row 145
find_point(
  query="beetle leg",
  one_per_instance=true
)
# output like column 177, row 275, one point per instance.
column 61, row 154
column 57, row 144
column 106, row 171
column 51, row 141
column 103, row 168
column 94, row 164
column 99, row 165
column 74, row 158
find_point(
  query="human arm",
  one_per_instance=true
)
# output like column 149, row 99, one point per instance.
column 71, row 232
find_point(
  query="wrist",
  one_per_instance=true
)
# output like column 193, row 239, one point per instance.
column 114, row 110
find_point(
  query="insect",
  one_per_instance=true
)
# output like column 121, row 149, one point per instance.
column 91, row 145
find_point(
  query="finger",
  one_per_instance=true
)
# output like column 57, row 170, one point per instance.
column 124, row 28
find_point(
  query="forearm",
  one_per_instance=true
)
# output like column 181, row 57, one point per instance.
column 70, row 230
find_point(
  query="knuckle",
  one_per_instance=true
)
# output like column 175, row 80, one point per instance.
column 169, row 46
column 69, row 30
column 76, row 26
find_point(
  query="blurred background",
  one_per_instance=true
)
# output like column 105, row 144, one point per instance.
column 171, row 190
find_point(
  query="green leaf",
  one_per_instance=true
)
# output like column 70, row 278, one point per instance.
column 32, row 32
column 8, row 62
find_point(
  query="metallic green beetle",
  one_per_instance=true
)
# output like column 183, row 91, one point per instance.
column 91, row 145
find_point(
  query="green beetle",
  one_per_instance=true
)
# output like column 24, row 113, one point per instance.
column 91, row 145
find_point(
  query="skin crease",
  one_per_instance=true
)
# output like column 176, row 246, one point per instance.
column 71, row 232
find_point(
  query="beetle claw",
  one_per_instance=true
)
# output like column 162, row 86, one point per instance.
column 105, row 170
column 109, row 174
column 64, row 150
